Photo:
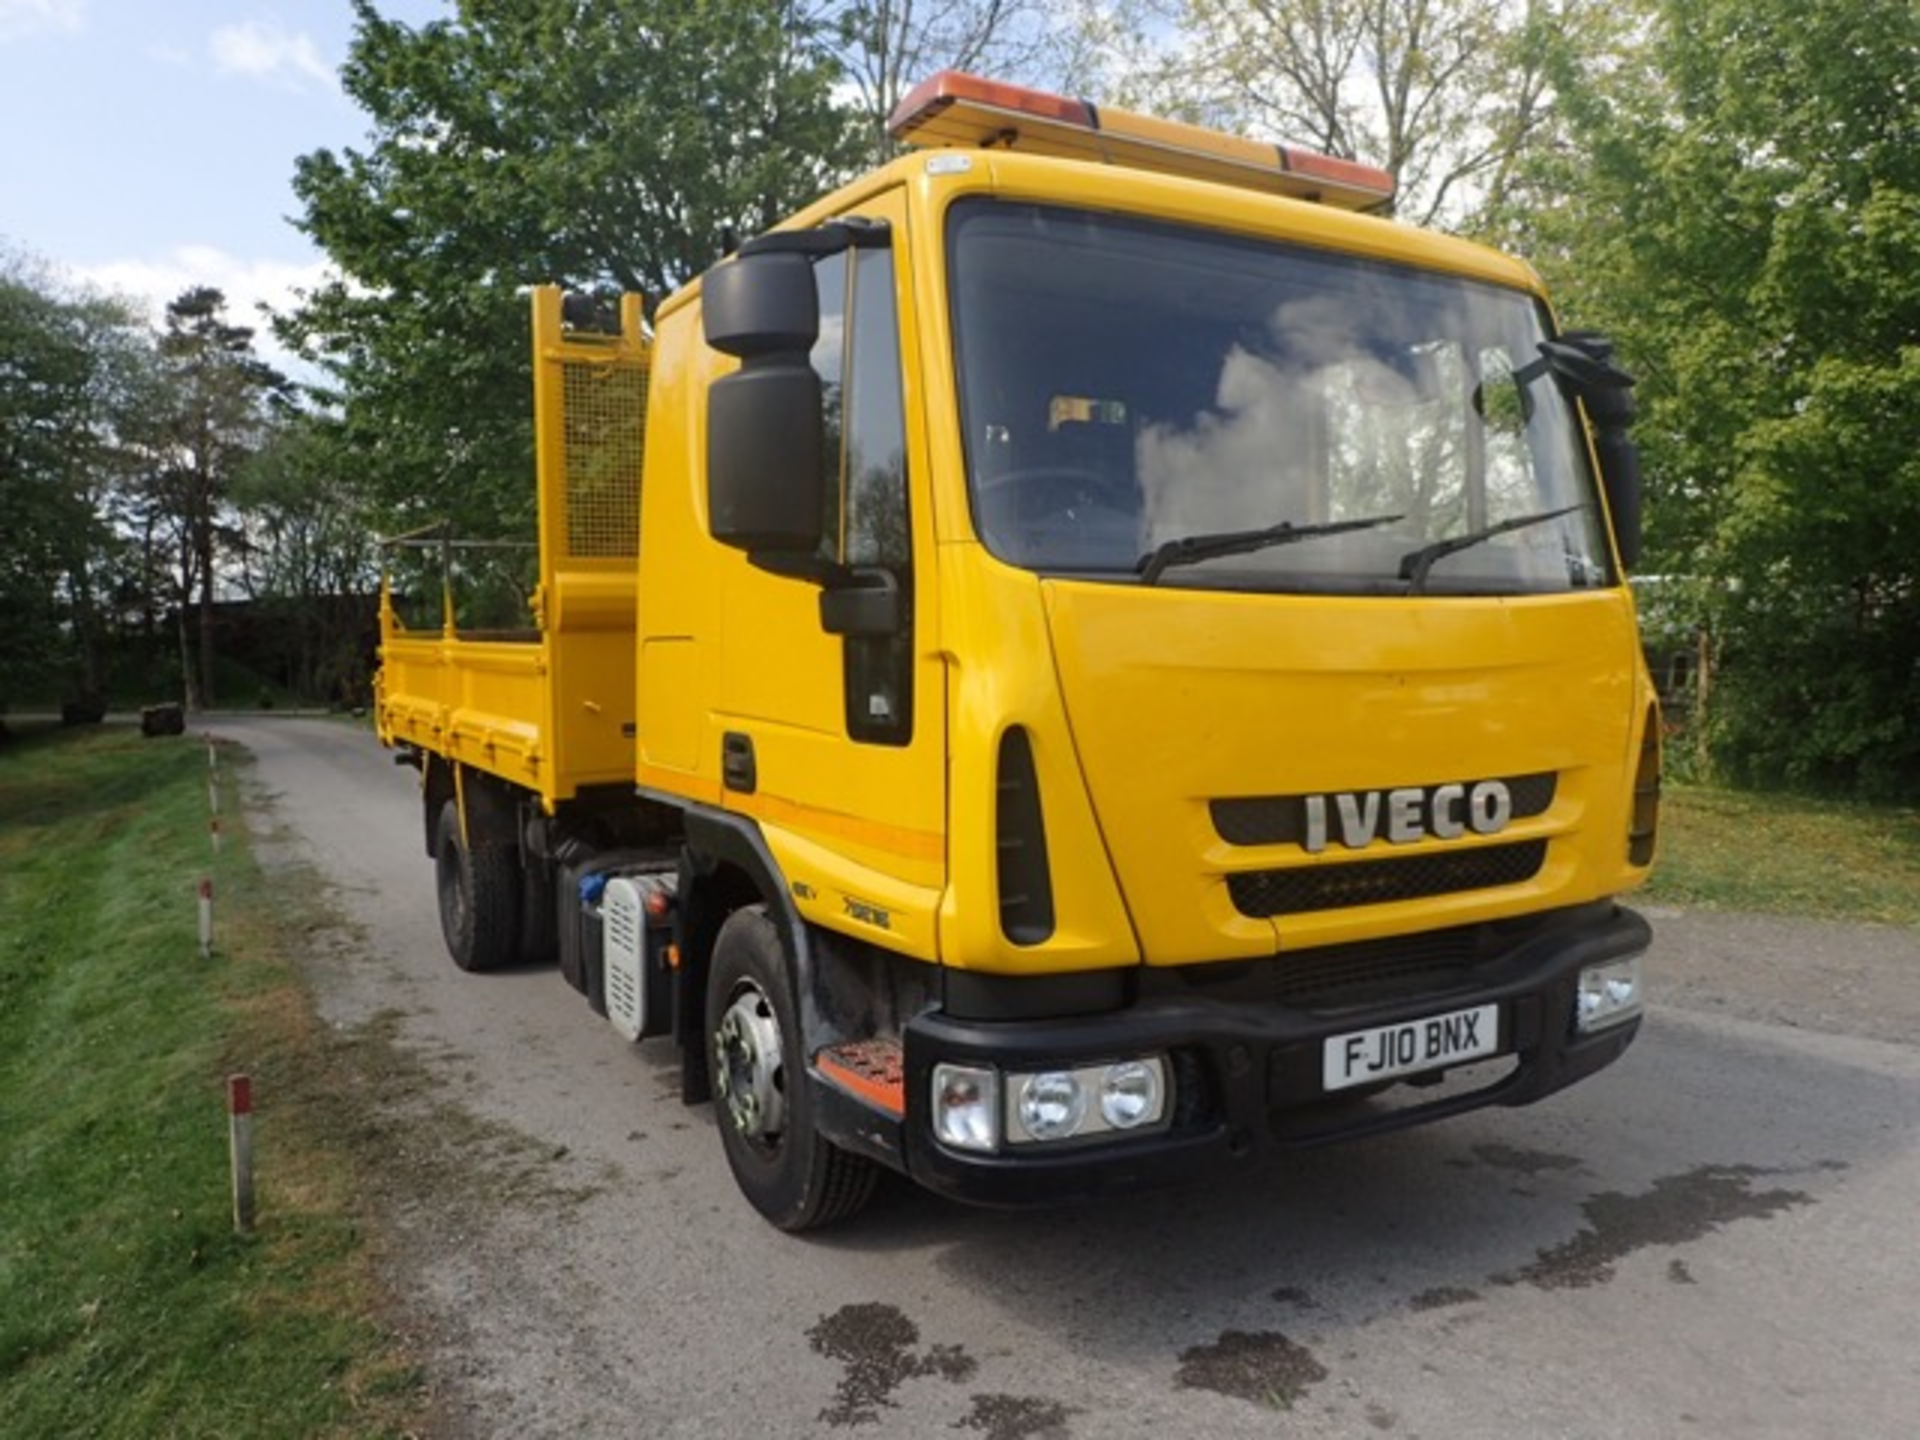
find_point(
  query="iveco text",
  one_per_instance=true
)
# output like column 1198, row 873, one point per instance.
column 1446, row 812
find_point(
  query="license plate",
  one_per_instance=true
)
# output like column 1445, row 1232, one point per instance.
column 1364, row 1056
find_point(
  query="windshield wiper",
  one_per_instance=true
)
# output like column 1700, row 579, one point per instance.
column 1415, row 564
column 1189, row 549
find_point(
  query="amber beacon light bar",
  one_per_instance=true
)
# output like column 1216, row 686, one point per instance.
column 956, row 109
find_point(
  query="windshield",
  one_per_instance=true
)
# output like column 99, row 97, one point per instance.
column 1173, row 406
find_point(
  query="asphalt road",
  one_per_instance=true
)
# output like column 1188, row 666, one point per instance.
column 1717, row 1237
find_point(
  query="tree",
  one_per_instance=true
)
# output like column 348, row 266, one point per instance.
column 216, row 411
column 73, row 374
column 36, row 370
column 612, row 145
column 888, row 46
column 1747, row 221
column 310, row 556
column 1446, row 95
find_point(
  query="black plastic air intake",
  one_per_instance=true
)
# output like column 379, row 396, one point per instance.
column 1020, row 838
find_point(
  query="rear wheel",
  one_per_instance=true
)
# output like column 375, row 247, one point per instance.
column 479, row 891
column 788, row 1171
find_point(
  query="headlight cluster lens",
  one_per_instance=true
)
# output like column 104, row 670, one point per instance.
column 1088, row 1100
column 1609, row 994
column 966, row 1107
column 1051, row 1105
column 975, row 1107
column 1131, row 1096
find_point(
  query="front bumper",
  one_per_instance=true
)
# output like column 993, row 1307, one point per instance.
column 1247, row 1076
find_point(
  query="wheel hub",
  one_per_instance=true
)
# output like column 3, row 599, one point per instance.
column 748, row 1066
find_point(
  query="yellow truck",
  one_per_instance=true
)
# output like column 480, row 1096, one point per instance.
column 1079, row 658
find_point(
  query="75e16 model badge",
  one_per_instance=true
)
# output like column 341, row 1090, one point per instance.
column 1357, row 818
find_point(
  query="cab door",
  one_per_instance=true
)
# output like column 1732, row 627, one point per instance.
column 836, row 739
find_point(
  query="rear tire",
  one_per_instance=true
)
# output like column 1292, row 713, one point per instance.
column 788, row 1171
column 479, row 892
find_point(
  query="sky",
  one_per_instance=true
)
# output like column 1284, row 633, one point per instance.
column 147, row 146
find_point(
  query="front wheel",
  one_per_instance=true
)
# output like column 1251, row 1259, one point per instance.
column 788, row 1171
column 479, row 890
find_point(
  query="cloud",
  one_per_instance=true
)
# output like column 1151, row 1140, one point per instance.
column 265, row 50
column 24, row 19
column 247, row 284
column 1238, row 466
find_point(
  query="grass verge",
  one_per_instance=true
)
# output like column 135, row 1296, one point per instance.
column 128, row 1307
column 1786, row 855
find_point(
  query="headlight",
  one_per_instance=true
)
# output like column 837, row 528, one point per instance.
column 978, row 1109
column 1609, row 993
column 966, row 1107
column 1130, row 1094
column 1086, row 1102
column 1053, row 1105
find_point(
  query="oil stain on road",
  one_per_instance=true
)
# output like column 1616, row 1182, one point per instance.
column 880, row 1350
column 1018, row 1417
column 1678, row 1209
column 1269, row 1369
column 875, row 1343
column 1263, row 1366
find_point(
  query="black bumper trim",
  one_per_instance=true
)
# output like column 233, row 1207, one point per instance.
column 1249, row 1075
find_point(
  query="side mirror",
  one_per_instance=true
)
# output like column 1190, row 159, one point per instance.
column 1583, row 361
column 761, row 306
column 765, row 439
column 767, row 470
column 765, row 423
column 1620, row 474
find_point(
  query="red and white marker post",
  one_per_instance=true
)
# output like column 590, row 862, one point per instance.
column 206, row 919
column 240, row 1148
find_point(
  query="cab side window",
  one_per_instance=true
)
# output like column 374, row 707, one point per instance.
column 858, row 360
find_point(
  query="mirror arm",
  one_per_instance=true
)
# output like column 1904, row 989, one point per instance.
column 864, row 600
column 851, row 232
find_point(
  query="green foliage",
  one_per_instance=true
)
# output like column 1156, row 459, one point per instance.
column 884, row 47
column 127, row 1305
column 529, row 141
column 1744, row 214
column 215, row 412
column 312, row 562
column 75, row 374
column 33, row 365
column 117, row 446
column 1821, row 661
column 1446, row 95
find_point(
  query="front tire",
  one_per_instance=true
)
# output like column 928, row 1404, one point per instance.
column 479, row 890
column 788, row 1171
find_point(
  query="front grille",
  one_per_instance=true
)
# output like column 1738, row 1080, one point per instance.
column 1360, row 972
column 1429, row 965
column 1261, row 894
column 1374, row 970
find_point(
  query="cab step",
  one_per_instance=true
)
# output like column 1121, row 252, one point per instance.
column 871, row 1070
